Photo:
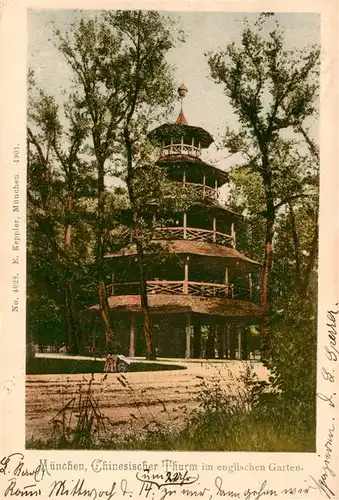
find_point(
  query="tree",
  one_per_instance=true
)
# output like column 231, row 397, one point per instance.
column 122, row 84
column 272, row 90
column 56, row 179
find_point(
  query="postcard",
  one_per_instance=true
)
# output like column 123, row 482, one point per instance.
column 169, row 249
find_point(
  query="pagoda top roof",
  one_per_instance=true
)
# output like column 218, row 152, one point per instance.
column 181, row 129
column 181, row 120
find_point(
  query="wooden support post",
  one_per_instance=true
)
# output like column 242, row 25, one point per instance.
column 216, row 189
column 185, row 285
column 226, row 281
column 112, row 293
column 214, row 228
column 239, row 336
column 244, row 344
column 192, row 148
column 185, row 225
column 228, row 341
column 132, row 338
column 233, row 235
column 188, row 336
column 210, row 344
column 203, row 185
column 232, row 342
column 250, row 286
column 184, row 177
column 197, row 339
column 182, row 145
column 222, row 332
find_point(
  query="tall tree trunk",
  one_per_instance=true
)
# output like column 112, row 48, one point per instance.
column 295, row 244
column 30, row 347
column 73, row 343
column 150, row 350
column 311, row 260
column 103, row 302
column 265, row 280
column 104, row 313
column 72, row 330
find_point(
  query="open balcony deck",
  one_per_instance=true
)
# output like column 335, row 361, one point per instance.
column 195, row 288
column 193, row 234
column 180, row 149
column 185, row 233
column 201, row 191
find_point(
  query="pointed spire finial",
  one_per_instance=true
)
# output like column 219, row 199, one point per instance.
column 182, row 91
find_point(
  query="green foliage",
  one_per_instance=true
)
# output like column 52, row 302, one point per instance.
column 119, row 75
column 274, row 93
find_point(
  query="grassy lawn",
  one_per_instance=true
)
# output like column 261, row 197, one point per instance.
column 41, row 366
column 241, row 431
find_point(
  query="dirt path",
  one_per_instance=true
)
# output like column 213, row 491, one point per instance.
column 131, row 404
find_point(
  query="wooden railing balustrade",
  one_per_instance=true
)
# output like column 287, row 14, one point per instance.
column 182, row 233
column 196, row 288
column 177, row 149
column 201, row 190
column 193, row 234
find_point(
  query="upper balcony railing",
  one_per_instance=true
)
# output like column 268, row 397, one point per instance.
column 201, row 190
column 193, row 234
column 195, row 288
column 180, row 149
column 184, row 233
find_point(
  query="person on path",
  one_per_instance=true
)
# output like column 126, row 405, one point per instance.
column 110, row 363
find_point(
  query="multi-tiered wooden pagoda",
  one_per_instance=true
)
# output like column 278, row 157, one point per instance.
column 203, row 301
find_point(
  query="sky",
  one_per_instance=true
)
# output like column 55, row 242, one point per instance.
column 205, row 104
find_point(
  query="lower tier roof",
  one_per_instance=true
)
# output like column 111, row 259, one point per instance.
column 174, row 304
column 191, row 247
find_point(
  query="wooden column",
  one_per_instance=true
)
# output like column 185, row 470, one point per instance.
column 233, row 235
column 132, row 338
column 244, row 344
column 228, row 341
column 203, row 185
column 188, row 336
column 185, row 285
column 214, row 228
column 250, row 286
column 184, row 177
column 239, row 338
column 226, row 281
column 185, row 224
column 182, row 144
column 113, row 279
column 197, row 338
column 216, row 188
column 222, row 332
column 210, row 344
column 232, row 341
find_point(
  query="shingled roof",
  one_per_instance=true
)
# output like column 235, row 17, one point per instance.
column 163, row 304
column 192, row 247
